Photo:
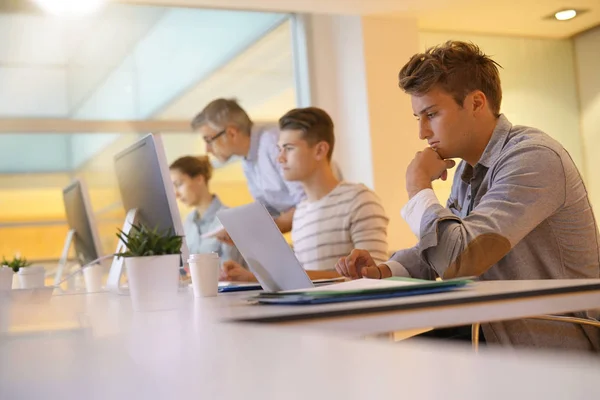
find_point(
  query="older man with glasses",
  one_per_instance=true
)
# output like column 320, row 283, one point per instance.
column 228, row 131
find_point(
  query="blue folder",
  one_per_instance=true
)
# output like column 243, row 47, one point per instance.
column 243, row 286
column 419, row 287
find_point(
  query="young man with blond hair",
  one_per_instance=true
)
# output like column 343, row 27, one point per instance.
column 336, row 216
column 518, row 208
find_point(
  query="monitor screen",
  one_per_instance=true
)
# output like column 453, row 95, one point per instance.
column 145, row 185
column 80, row 219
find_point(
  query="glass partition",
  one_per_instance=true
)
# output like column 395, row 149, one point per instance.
column 125, row 64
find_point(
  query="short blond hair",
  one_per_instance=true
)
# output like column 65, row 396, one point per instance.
column 222, row 112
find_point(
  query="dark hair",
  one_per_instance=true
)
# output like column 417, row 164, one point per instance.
column 222, row 112
column 314, row 122
column 457, row 67
column 194, row 166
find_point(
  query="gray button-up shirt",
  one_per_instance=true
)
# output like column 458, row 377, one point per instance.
column 522, row 212
column 195, row 226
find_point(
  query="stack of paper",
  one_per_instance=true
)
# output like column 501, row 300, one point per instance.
column 361, row 289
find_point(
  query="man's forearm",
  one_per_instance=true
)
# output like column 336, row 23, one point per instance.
column 313, row 275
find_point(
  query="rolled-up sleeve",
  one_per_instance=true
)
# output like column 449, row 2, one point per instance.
column 527, row 186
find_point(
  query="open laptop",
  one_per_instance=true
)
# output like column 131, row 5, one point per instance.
column 264, row 248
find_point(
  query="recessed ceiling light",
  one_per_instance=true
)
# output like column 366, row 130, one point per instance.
column 565, row 15
column 70, row 8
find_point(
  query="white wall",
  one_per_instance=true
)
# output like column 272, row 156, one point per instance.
column 354, row 63
column 339, row 85
column 587, row 53
column 538, row 81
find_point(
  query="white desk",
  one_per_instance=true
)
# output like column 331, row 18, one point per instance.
column 169, row 355
column 483, row 302
column 96, row 347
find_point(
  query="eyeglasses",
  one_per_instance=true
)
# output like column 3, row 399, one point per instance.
column 212, row 139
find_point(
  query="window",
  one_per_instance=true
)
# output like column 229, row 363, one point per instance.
column 75, row 92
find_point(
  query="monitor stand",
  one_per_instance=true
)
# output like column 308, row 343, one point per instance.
column 62, row 262
column 113, row 283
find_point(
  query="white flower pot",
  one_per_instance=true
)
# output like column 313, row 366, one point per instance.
column 32, row 277
column 6, row 278
column 153, row 282
column 15, row 281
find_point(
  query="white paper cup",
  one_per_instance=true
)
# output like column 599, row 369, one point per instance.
column 205, row 274
column 32, row 277
column 6, row 278
column 92, row 276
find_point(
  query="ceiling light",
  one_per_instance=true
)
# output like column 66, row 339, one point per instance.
column 565, row 15
column 70, row 8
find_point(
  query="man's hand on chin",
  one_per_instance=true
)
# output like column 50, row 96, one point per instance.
column 426, row 167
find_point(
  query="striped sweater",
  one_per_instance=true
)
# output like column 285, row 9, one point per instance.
column 349, row 217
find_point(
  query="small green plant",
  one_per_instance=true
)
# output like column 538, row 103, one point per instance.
column 143, row 242
column 16, row 263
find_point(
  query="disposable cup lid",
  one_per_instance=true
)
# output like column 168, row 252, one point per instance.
column 200, row 256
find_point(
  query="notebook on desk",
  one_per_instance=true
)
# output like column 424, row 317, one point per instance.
column 361, row 289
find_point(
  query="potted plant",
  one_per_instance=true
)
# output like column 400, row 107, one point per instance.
column 152, row 263
column 16, row 263
column 6, row 274
column 29, row 276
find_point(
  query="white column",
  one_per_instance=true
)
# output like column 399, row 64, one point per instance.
column 587, row 60
column 353, row 65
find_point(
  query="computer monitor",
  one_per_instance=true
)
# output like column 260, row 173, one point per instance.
column 147, row 193
column 83, row 231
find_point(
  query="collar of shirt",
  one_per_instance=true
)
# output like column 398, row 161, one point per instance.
column 492, row 150
column 211, row 212
column 497, row 141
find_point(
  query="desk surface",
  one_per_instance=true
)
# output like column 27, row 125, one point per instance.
column 189, row 354
column 94, row 346
column 481, row 302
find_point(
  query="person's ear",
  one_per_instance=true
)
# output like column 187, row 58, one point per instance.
column 199, row 180
column 478, row 101
column 233, row 132
column 321, row 150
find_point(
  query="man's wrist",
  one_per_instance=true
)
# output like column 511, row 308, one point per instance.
column 415, row 187
column 384, row 271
